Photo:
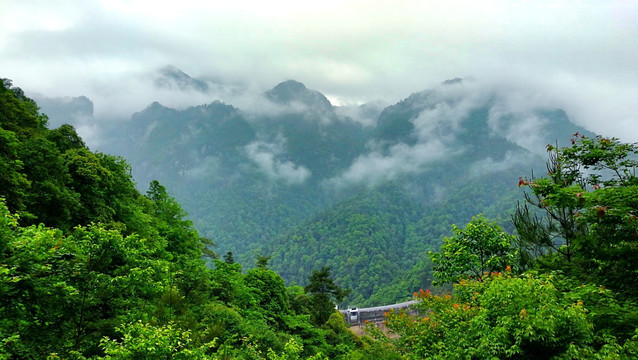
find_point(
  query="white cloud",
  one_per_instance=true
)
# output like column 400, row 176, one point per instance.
column 400, row 159
column 521, row 126
column 579, row 53
column 446, row 106
column 489, row 165
column 265, row 154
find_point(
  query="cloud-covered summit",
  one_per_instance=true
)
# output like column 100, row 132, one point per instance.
column 292, row 91
column 296, row 134
column 174, row 78
column 458, row 121
column 577, row 53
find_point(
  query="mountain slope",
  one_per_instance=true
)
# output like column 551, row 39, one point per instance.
column 307, row 184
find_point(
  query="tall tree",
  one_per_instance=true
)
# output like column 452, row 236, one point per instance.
column 324, row 294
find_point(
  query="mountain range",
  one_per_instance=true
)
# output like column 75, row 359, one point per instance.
column 367, row 190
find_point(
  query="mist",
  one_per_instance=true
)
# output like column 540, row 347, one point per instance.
column 266, row 156
column 575, row 55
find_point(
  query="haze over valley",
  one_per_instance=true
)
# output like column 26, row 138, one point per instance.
column 367, row 189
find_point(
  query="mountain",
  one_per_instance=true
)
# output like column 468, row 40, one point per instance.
column 291, row 91
column 66, row 110
column 93, row 268
column 172, row 77
column 305, row 182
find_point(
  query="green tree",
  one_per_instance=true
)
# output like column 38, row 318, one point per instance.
column 18, row 113
column 183, row 241
column 269, row 291
column 53, row 198
column 585, row 220
column 480, row 247
column 64, row 293
column 65, row 138
column 13, row 182
column 145, row 341
column 90, row 179
column 229, row 258
column 324, row 294
column 262, row 261
column 500, row 317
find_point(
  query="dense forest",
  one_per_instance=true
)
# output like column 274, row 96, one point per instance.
column 563, row 288
column 310, row 185
column 92, row 268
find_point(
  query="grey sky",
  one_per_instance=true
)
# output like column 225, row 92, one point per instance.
column 579, row 55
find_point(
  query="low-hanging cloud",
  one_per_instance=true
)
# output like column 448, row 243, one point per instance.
column 490, row 166
column 379, row 166
column 265, row 156
column 523, row 129
column 441, row 112
column 444, row 108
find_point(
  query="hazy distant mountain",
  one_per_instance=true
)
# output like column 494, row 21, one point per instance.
column 65, row 110
column 172, row 77
column 365, row 114
column 312, row 184
column 291, row 91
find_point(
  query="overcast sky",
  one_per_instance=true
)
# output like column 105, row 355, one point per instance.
column 579, row 55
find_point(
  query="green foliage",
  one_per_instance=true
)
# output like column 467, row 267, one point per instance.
column 377, row 348
column 69, row 291
column 72, row 292
column 292, row 350
column 323, row 295
column 500, row 316
column 341, row 339
column 586, row 221
column 229, row 258
column 480, row 247
column 13, row 183
column 611, row 315
column 65, row 138
column 18, row 113
column 262, row 261
column 270, row 294
column 364, row 241
column 91, row 268
column 183, row 240
column 586, row 229
column 144, row 341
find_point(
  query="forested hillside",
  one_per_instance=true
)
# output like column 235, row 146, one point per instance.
column 563, row 288
column 308, row 185
column 92, row 268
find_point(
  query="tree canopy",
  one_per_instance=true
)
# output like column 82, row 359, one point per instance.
column 576, row 233
column 480, row 247
column 583, row 216
column 92, row 268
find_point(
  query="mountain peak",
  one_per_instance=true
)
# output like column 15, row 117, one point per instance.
column 293, row 91
column 172, row 77
column 456, row 80
column 290, row 85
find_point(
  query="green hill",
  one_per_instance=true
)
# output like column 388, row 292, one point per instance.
column 262, row 183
